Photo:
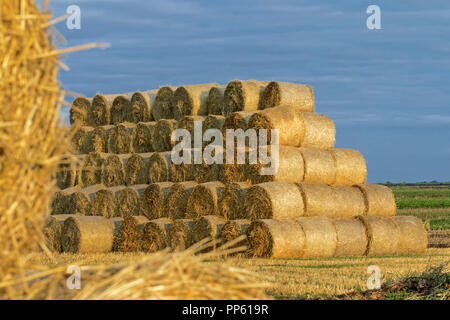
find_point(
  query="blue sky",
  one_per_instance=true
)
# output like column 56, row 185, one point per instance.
column 387, row 90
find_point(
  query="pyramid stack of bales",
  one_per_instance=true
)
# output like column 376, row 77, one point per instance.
column 121, row 191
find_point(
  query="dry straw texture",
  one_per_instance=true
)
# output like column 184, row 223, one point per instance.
column 120, row 138
column 243, row 95
column 87, row 235
column 349, row 202
column 53, row 231
column 273, row 200
column 234, row 172
column 91, row 169
column 128, row 202
column 60, row 200
column 319, row 199
column 180, row 234
column 105, row 204
column 100, row 111
column 383, row 235
column 204, row 200
column 79, row 203
column 119, row 108
column 413, row 236
column 319, row 166
column 191, row 100
column 142, row 137
column 237, row 120
column 155, row 235
column 154, row 198
column 161, row 135
column 231, row 200
column 320, row 237
column 320, row 131
column 66, row 176
column 215, row 101
column 160, row 167
column 234, row 229
column 350, row 167
column 379, row 200
column 351, row 237
column 136, row 169
column 276, row 239
column 287, row 94
column 98, row 138
column 141, row 105
column 187, row 123
column 113, row 171
column 177, row 199
column 80, row 140
column 129, row 236
column 79, row 111
column 208, row 227
column 213, row 122
column 164, row 104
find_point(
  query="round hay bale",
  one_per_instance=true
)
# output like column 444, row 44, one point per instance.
column 136, row 169
column 295, row 95
column 349, row 202
column 129, row 202
column 278, row 239
column 155, row 235
column 383, row 235
column 120, row 138
column 79, row 111
column 161, row 135
column 320, row 237
column 206, row 172
column 204, row 200
column 66, row 174
column 87, row 235
column 160, row 167
column 234, row 229
column 142, row 137
column 60, row 201
column 213, row 122
column 129, row 236
column 234, row 172
column 187, row 123
column 350, row 167
column 80, row 140
column 191, row 100
column 105, row 204
column 80, row 204
column 231, row 200
column 154, row 198
column 318, row 200
column 101, row 109
column 413, row 236
column 287, row 120
column 91, row 169
column 319, row 166
column 320, row 131
column 237, row 120
column 243, row 95
column 112, row 172
column 208, row 227
column 121, row 104
column 351, row 237
column 273, row 200
column 379, row 200
column 98, row 138
column 215, row 101
column 164, row 104
column 52, row 231
column 180, row 234
column 141, row 104
column 290, row 167
column 177, row 198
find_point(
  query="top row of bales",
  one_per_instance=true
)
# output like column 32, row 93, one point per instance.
column 201, row 99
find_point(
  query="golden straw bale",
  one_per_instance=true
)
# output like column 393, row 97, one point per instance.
column 119, row 107
column 237, row 120
column 383, row 235
column 320, row 131
column 413, row 236
column 213, row 122
column 142, row 137
column 160, row 167
column 66, row 175
column 349, row 202
column 155, row 235
column 234, row 229
column 141, row 105
column 231, row 200
column 87, row 235
column 379, row 200
column 129, row 236
column 187, row 123
column 154, row 198
column 180, row 234
column 161, row 135
column 319, row 199
column 296, row 95
column 128, row 202
column 204, row 200
column 80, row 140
column 105, row 204
column 351, row 237
column 235, row 172
column 98, row 138
column 164, row 104
column 136, row 169
column 120, row 138
column 60, row 200
column 191, row 100
column 319, row 166
column 215, row 101
column 320, row 237
column 350, row 167
column 100, row 112
column 112, row 171
column 81, row 200
column 243, row 95
column 91, row 169
column 273, row 200
column 53, row 230
column 79, row 111
column 208, row 227
column 278, row 239
column 177, row 198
